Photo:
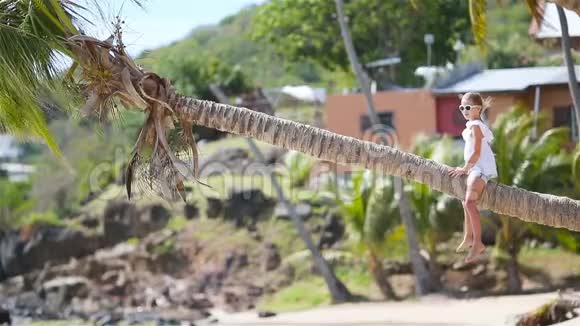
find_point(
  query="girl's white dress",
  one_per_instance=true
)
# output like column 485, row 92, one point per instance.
column 485, row 166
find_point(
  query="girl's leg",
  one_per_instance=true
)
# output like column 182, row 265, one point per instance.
column 467, row 233
column 475, row 187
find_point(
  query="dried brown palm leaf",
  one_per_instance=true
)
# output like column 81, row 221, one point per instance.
column 165, row 154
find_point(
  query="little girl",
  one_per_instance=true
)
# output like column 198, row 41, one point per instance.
column 479, row 167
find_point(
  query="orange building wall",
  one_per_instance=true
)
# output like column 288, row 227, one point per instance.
column 413, row 113
column 554, row 96
column 503, row 102
column 415, row 110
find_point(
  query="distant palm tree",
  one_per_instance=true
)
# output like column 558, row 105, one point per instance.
column 538, row 165
column 425, row 281
column 436, row 212
column 300, row 168
column 108, row 76
column 567, row 52
column 369, row 210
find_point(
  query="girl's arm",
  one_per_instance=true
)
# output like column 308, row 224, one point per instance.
column 477, row 137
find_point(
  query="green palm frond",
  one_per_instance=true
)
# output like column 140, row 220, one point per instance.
column 554, row 175
column 33, row 36
column 477, row 15
column 299, row 167
column 536, row 164
column 549, row 143
column 368, row 208
column 30, row 34
column 380, row 213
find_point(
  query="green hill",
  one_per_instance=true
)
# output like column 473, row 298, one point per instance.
column 230, row 43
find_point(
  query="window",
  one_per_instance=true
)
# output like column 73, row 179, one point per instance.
column 386, row 118
column 564, row 117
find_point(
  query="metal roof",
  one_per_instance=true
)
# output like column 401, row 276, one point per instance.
column 550, row 27
column 509, row 80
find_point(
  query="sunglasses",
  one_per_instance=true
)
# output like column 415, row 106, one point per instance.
column 467, row 107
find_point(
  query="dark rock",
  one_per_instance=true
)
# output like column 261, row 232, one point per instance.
column 242, row 260
column 90, row 222
column 225, row 160
column 303, row 210
column 266, row 314
column 235, row 261
column 47, row 243
column 246, row 207
column 332, row 231
column 200, row 301
column 254, row 291
column 214, row 207
column 271, row 259
column 5, row 318
column 394, row 267
column 208, row 134
column 93, row 268
column 190, row 211
column 274, row 155
column 122, row 220
column 118, row 217
column 152, row 218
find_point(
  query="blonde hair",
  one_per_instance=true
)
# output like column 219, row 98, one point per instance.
column 477, row 99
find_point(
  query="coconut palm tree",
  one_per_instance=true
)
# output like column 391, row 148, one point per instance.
column 368, row 207
column 539, row 165
column 435, row 212
column 108, row 75
column 567, row 52
column 338, row 291
column 477, row 13
column 424, row 279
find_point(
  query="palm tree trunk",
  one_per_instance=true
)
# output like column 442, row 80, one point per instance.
column 566, row 49
column 159, row 98
column 426, row 280
column 325, row 145
column 378, row 272
column 338, row 291
column 422, row 275
column 514, row 282
column 361, row 76
column 507, row 243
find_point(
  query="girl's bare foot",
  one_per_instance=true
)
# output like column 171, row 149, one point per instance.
column 474, row 253
column 461, row 247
